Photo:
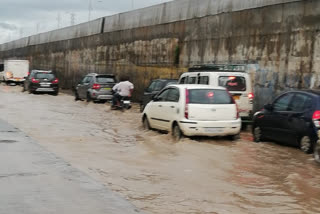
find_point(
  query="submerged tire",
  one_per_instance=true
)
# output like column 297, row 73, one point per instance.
column 257, row 134
column 306, row 144
column 145, row 123
column 176, row 132
column 89, row 99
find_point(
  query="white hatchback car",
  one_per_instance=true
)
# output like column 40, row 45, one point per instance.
column 193, row 110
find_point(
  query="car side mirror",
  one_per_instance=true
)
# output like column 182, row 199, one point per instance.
column 268, row 107
column 155, row 98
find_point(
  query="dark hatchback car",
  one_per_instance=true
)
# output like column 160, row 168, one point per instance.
column 95, row 87
column 154, row 88
column 293, row 118
column 41, row 81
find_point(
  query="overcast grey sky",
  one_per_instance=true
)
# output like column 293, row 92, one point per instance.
column 27, row 17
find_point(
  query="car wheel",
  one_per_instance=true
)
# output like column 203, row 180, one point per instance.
column 76, row 96
column 306, row 144
column 145, row 123
column 234, row 137
column 141, row 108
column 88, row 98
column 257, row 134
column 176, row 132
column 317, row 152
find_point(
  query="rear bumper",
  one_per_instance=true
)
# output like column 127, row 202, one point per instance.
column 101, row 95
column 15, row 80
column 44, row 89
column 210, row 128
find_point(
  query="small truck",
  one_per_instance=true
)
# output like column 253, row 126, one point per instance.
column 14, row 71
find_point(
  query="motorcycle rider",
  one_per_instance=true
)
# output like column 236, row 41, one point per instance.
column 123, row 89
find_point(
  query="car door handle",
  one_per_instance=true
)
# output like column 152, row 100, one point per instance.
column 172, row 106
column 159, row 105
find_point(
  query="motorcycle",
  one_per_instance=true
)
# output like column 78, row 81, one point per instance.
column 125, row 103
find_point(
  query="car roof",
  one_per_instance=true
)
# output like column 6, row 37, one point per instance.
column 165, row 80
column 41, row 71
column 95, row 74
column 196, row 86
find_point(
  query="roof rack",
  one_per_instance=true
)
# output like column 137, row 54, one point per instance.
column 218, row 68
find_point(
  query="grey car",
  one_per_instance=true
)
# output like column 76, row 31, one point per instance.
column 95, row 87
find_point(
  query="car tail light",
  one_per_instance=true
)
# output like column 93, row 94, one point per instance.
column 28, row 73
column 232, row 78
column 316, row 119
column 96, row 86
column 33, row 80
column 251, row 96
column 238, row 112
column 56, row 81
column 186, row 109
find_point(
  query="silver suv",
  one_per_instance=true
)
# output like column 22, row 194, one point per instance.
column 95, row 87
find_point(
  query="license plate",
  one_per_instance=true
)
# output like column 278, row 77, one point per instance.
column 126, row 102
column 236, row 97
column 107, row 88
column 213, row 130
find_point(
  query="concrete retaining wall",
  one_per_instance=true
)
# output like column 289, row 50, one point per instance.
column 280, row 38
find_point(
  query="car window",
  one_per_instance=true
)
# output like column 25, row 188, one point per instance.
column 182, row 80
column 204, row 80
column 84, row 79
column 88, row 80
column 158, row 86
column 105, row 79
column 300, row 103
column 173, row 95
column 209, row 96
column 151, row 86
column 192, row 80
column 282, row 103
column 233, row 83
column 48, row 76
column 163, row 95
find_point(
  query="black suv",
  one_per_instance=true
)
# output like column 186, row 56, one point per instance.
column 154, row 88
column 41, row 81
column 292, row 118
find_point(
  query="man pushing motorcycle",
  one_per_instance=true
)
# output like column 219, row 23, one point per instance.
column 123, row 89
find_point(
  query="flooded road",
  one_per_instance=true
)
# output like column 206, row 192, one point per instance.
column 198, row 175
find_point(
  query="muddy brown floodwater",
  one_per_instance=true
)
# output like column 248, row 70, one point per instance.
column 199, row 175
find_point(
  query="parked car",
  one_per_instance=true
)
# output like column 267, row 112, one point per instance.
column 95, row 87
column 233, row 77
column 292, row 118
column 193, row 110
column 153, row 89
column 41, row 81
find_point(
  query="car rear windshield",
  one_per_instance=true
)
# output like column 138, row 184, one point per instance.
column 48, row 76
column 209, row 96
column 105, row 79
column 233, row 83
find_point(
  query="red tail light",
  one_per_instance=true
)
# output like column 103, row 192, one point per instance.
column 251, row 96
column 28, row 73
column 238, row 113
column 316, row 118
column 96, row 86
column 56, row 81
column 33, row 80
column 186, row 109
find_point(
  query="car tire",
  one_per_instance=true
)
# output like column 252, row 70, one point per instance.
column 316, row 152
column 306, row 144
column 176, row 132
column 88, row 98
column 145, row 123
column 257, row 134
column 76, row 96
column 141, row 108
column 234, row 137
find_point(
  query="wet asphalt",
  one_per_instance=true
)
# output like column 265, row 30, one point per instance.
column 35, row 181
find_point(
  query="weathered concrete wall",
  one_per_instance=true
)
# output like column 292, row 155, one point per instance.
column 281, row 38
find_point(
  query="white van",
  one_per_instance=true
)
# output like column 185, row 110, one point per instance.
column 233, row 77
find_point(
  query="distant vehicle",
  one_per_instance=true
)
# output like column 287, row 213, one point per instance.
column 193, row 110
column 95, row 87
column 14, row 71
column 235, row 78
column 154, row 88
column 292, row 118
column 41, row 81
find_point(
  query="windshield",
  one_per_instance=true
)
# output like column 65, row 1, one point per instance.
column 48, row 76
column 105, row 79
column 209, row 96
column 233, row 83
